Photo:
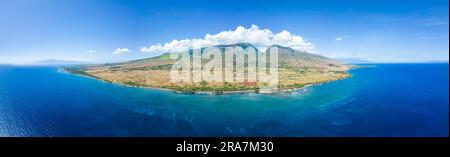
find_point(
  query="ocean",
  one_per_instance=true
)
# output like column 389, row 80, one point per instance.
column 384, row 100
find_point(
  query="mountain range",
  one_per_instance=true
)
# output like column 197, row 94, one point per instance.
column 296, row 69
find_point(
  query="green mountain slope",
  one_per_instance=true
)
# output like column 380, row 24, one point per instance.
column 296, row 69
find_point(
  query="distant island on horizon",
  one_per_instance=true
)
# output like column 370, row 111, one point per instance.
column 296, row 69
column 52, row 62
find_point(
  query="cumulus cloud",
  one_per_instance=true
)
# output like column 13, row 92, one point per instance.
column 121, row 51
column 342, row 38
column 261, row 38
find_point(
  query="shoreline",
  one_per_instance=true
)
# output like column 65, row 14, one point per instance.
column 256, row 91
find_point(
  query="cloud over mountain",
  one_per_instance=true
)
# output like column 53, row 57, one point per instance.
column 261, row 38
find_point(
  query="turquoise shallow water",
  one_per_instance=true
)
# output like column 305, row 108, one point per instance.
column 385, row 100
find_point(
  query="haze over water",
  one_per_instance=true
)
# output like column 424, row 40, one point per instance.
column 385, row 100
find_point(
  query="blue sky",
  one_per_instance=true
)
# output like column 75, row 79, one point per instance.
column 92, row 30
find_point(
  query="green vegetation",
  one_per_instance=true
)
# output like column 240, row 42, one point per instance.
column 156, row 67
column 77, row 70
column 297, row 85
column 164, row 56
column 215, row 89
column 341, row 72
column 115, row 67
column 130, row 83
column 301, row 70
column 203, row 83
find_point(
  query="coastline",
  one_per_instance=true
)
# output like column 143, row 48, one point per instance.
column 286, row 90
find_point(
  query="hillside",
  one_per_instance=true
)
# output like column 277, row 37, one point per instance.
column 296, row 69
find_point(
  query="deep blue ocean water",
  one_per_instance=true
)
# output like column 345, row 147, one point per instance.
column 385, row 100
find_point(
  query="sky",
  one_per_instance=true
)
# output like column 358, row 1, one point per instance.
column 99, row 31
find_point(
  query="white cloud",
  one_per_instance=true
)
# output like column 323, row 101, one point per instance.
column 342, row 38
column 260, row 38
column 121, row 51
column 90, row 51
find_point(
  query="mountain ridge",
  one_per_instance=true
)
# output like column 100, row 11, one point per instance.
column 296, row 69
